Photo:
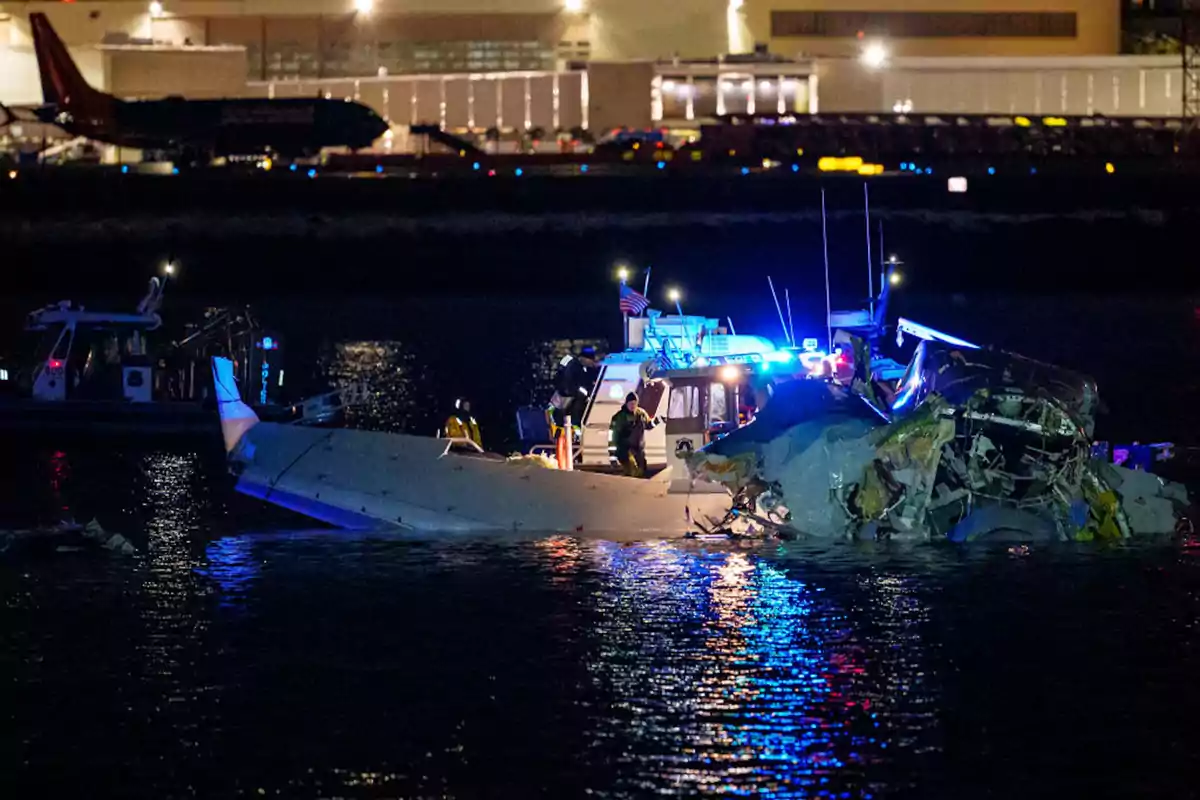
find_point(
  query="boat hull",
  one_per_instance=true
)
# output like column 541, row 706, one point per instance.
column 363, row 479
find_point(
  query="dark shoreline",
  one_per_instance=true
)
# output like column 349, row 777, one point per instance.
column 100, row 194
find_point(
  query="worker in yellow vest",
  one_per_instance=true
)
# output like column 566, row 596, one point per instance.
column 461, row 425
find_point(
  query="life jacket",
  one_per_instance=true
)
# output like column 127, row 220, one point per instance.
column 460, row 427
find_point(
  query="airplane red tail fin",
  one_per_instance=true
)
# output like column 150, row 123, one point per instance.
column 62, row 83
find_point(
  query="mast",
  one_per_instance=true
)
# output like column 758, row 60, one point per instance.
column 825, row 246
column 786, row 337
column 870, row 266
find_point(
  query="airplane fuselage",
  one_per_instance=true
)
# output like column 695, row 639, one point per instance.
column 293, row 126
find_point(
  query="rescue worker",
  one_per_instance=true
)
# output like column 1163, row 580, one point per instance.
column 628, row 431
column 573, row 385
column 461, row 425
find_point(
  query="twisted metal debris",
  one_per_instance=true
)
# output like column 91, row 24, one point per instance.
column 974, row 444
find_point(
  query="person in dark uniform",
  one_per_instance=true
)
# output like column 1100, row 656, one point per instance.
column 628, row 427
column 573, row 384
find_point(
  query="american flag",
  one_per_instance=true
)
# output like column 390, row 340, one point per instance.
column 632, row 302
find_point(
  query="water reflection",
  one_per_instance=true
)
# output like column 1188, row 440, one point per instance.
column 173, row 626
column 728, row 676
column 231, row 564
column 396, row 380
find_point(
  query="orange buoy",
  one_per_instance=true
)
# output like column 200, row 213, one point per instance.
column 560, row 449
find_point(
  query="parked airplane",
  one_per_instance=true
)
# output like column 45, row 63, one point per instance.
column 197, row 130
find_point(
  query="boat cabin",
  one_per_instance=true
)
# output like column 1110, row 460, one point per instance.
column 691, row 372
column 83, row 354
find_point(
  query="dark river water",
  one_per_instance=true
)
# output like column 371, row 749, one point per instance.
column 235, row 656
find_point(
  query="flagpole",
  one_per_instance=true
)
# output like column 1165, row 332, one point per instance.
column 625, row 319
column 623, row 277
column 825, row 247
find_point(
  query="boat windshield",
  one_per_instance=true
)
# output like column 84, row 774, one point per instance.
column 39, row 346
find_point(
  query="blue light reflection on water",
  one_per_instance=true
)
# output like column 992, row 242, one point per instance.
column 220, row 662
column 231, row 565
column 729, row 676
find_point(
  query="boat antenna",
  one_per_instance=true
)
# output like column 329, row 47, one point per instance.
column 882, row 260
column 779, row 311
column 732, row 329
column 646, row 285
column 787, row 299
column 825, row 245
column 870, row 266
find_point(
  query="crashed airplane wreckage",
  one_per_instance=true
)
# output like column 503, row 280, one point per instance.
column 368, row 480
column 974, row 445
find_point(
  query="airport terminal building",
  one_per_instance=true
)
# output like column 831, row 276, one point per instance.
column 520, row 65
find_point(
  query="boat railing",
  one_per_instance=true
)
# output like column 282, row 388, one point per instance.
column 668, row 354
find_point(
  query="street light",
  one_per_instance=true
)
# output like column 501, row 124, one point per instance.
column 874, row 55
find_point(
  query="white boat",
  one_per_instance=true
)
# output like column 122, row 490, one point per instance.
column 364, row 479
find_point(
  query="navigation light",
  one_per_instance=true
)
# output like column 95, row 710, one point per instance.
column 874, row 55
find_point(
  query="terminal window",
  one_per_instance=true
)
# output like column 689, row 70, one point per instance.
column 922, row 24
column 347, row 59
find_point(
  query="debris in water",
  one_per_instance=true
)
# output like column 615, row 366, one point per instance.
column 975, row 445
column 66, row 537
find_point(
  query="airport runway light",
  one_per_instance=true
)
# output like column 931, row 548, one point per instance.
column 874, row 55
column 156, row 9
